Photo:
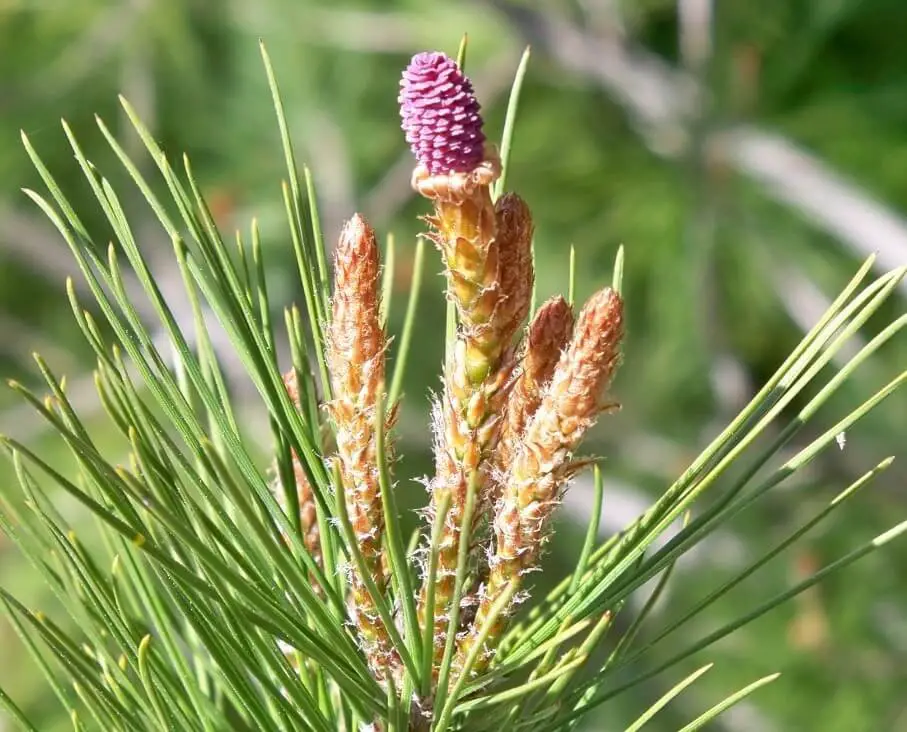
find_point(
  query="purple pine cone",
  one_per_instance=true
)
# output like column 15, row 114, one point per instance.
column 441, row 115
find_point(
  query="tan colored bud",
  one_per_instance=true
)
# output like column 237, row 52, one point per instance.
column 541, row 464
column 548, row 335
column 515, row 231
column 308, row 516
column 487, row 252
column 355, row 354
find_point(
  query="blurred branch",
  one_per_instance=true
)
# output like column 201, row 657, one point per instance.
column 661, row 100
column 363, row 30
column 367, row 31
column 602, row 16
column 805, row 183
column 695, row 28
column 695, row 22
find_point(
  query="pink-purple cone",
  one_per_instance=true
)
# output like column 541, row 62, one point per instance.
column 441, row 115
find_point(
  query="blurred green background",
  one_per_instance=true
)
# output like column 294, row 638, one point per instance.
column 747, row 155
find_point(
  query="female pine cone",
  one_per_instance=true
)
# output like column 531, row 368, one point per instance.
column 440, row 115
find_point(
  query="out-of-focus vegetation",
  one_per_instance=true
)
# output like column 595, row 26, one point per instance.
column 722, row 273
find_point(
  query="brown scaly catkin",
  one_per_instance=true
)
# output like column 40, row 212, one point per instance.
column 308, row 517
column 541, row 466
column 517, row 277
column 355, row 354
column 486, row 250
column 548, row 335
column 515, row 231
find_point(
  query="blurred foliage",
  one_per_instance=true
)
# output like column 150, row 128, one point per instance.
column 702, row 246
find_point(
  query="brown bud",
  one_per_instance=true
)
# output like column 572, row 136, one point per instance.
column 486, row 252
column 515, row 231
column 541, row 463
column 355, row 354
column 548, row 335
column 308, row 517
column 587, row 367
